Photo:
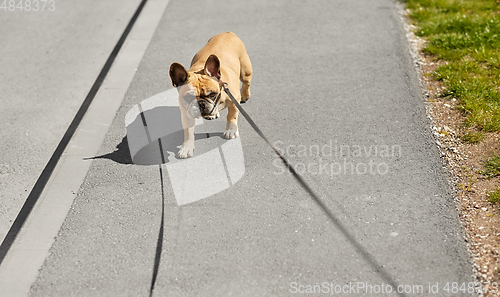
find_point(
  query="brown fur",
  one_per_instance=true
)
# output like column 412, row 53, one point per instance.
column 223, row 59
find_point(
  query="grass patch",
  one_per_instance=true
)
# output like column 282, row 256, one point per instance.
column 472, row 137
column 466, row 35
column 491, row 167
column 494, row 196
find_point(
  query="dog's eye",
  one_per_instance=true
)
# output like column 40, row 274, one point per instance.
column 212, row 95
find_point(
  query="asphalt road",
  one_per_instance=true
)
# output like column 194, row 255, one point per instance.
column 49, row 60
column 333, row 75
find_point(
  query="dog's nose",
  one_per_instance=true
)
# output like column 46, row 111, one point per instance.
column 202, row 105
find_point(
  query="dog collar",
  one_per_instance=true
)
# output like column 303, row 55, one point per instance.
column 217, row 99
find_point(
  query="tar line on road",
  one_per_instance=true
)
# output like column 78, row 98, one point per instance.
column 56, row 156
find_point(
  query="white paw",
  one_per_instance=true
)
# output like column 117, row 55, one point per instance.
column 231, row 133
column 185, row 151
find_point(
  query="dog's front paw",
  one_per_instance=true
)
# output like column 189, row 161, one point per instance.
column 231, row 133
column 245, row 94
column 185, row 151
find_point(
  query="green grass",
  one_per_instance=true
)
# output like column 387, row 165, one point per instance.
column 491, row 167
column 494, row 196
column 465, row 35
column 472, row 137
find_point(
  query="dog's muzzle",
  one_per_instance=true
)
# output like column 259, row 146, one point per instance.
column 193, row 110
column 202, row 108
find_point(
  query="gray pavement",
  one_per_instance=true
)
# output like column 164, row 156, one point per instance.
column 49, row 60
column 328, row 74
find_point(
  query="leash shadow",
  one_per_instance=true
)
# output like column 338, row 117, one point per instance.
column 159, row 241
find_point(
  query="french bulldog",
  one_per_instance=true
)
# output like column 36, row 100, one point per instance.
column 223, row 59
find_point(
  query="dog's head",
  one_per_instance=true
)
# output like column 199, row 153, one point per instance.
column 198, row 91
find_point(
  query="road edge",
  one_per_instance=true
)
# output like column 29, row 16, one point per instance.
column 413, row 44
column 21, row 265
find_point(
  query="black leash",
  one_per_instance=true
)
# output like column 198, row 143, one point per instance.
column 361, row 250
column 285, row 161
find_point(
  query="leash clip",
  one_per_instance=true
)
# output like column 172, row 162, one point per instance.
column 223, row 84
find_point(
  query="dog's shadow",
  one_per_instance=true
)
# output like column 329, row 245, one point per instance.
column 120, row 155
column 142, row 147
column 153, row 153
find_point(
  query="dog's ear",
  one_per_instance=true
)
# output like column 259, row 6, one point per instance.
column 178, row 74
column 212, row 67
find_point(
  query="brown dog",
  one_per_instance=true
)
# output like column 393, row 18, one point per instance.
column 223, row 59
